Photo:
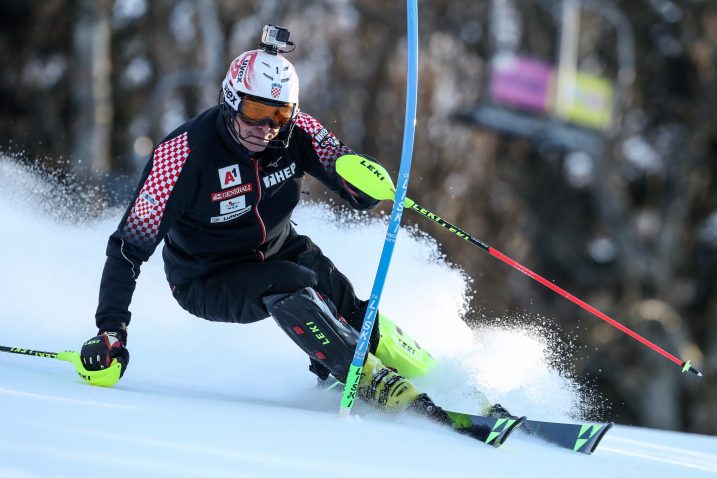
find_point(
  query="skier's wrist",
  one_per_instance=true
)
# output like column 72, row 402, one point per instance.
column 119, row 334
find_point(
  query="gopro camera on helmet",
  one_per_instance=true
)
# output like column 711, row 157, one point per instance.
column 275, row 39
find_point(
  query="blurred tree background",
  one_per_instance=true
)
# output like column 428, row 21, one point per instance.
column 621, row 209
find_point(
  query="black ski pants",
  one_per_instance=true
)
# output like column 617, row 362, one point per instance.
column 235, row 293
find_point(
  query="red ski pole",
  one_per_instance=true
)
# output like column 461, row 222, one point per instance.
column 686, row 366
column 371, row 178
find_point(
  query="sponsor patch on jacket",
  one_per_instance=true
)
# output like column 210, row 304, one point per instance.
column 229, row 176
column 145, row 205
column 324, row 138
column 325, row 144
column 232, row 193
column 232, row 205
column 229, row 217
column 280, row 176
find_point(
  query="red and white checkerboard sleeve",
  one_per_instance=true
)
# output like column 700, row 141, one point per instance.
column 161, row 198
column 320, row 149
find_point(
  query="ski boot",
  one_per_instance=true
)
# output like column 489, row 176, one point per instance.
column 382, row 386
column 424, row 406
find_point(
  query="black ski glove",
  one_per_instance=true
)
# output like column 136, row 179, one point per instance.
column 97, row 353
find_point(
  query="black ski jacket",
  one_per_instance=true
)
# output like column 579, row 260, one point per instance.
column 214, row 204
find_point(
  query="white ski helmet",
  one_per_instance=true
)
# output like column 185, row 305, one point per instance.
column 262, row 75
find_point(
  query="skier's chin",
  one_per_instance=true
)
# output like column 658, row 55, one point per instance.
column 254, row 143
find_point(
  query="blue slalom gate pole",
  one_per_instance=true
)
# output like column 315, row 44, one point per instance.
column 394, row 225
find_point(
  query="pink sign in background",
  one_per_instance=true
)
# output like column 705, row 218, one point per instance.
column 521, row 82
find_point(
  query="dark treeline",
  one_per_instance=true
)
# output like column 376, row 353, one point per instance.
column 624, row 217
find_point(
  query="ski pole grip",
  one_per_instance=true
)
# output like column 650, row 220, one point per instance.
column 106, row 377
column 368, row 176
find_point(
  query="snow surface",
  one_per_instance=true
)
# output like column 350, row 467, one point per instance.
column 207, row 399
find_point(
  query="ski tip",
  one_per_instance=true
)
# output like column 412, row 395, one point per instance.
column 600, row 436
column 502, row 430
column 590, row 437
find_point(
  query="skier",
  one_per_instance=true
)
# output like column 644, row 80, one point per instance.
column 219, row 191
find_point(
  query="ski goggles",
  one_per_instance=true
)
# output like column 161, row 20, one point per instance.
column 255, row 112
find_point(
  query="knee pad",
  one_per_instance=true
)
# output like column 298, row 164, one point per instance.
column 312, row 325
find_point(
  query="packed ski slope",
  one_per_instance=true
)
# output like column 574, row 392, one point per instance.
column 208, row 399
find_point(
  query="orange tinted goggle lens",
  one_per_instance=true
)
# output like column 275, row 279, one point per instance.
column 256, row 113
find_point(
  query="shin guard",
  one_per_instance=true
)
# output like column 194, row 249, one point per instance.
column 312, row 325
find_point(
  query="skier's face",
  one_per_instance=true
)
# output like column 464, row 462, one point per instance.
column 254, row 138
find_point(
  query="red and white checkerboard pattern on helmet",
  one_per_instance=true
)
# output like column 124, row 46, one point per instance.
column 275, row 90
column 143, row 222
column 328, row 148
